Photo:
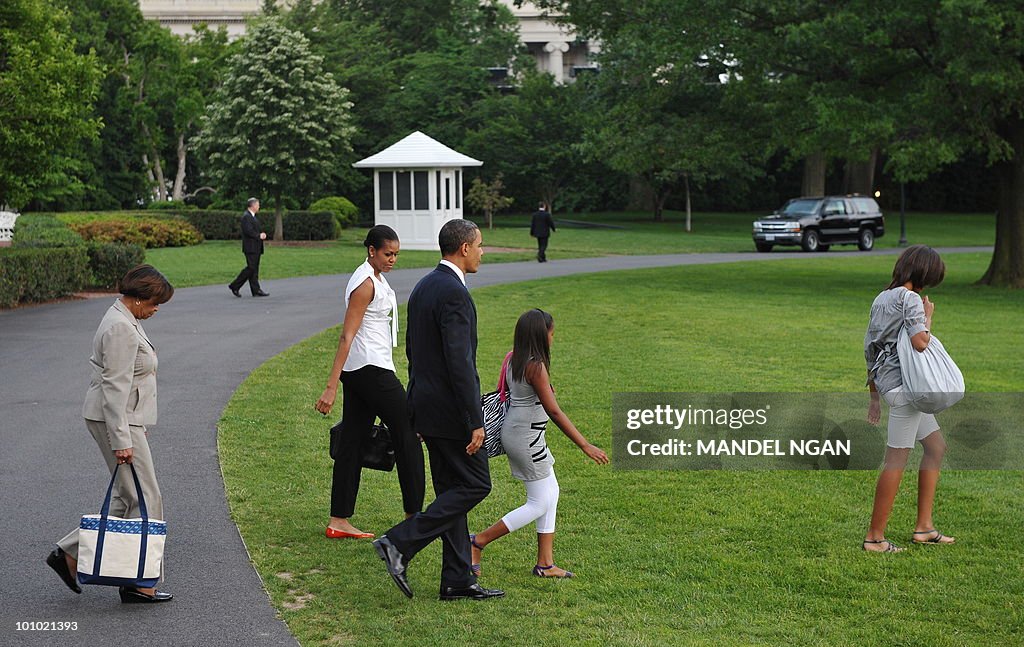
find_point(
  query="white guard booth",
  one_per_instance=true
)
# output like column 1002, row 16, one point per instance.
column 417, row 187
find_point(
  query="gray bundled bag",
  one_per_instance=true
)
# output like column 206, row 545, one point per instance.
column 932, row 381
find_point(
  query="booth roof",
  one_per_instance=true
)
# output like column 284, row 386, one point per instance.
column 418, row 151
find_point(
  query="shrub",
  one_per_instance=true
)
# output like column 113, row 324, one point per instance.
column 34, row 230
column 168, row 205
column 216, row 225
column 108, row 262
column 305, row 225
column 41, row 273
column 298, row 225
column 145, row 232
column 346, row 213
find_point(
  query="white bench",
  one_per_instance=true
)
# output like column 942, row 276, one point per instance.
column 7, row 219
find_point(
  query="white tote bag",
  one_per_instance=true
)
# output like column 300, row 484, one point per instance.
column 932, row 381
column 121, row 552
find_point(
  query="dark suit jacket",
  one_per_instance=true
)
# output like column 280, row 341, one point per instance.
column 440, row 343
column 542, row 224
column 251, row 241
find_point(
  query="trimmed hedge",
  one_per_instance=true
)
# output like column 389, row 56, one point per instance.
column 216, row 225
column 168, row 205
column 41, row 273
column 212, row 224
column 109, row 262
column 305, row 225
column 48, row 260
column 144, row 232
column 297, row 225
column 34, row 230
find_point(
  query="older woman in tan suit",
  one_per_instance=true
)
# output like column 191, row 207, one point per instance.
column 119, row 405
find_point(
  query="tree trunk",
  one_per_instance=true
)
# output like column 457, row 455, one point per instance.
column 815, row 165
column 158, row 169
column 178, row 193
column 278, row 225
column 641, row 194
column 686, row 184
column 490, row 220
column 660, row 196
column 149, row 169
column 860, row 175
column 1007, row 266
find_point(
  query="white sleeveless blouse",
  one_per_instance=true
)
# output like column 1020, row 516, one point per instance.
column 378, row 333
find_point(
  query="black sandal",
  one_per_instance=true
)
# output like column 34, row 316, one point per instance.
column 890, row 547
column 539, row 571
column 937, row 539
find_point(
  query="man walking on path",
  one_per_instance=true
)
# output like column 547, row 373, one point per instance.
column 541, row 227
column 444, row 405
column 252, row 247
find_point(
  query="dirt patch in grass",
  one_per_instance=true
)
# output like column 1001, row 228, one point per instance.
column 297, row 602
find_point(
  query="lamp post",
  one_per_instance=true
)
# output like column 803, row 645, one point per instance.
column 903, row 216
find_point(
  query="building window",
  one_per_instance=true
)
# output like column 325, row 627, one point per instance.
column 387, row 190
column 421, row 193
column 447, row 193
column 403, row 180
column 438, row 173
column 458, row 189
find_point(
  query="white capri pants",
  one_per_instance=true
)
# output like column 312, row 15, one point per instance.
column 907, row 425
column 541, row 505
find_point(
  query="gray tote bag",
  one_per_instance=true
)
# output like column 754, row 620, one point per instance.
column 931, row 379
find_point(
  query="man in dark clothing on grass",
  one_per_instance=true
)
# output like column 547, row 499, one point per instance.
column 540, row 228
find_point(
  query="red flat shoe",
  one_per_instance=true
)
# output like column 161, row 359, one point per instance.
column 331, row 533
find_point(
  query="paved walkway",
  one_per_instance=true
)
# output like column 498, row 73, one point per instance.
column 208, row 341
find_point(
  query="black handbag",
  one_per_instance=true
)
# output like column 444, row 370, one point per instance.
column 378, row 450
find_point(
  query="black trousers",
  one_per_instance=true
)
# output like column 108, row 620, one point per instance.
column 542, row 249
column 460, row 482
column 251, row 273
column 369, row 393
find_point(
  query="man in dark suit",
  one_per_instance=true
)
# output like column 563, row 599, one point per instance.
column 541, row 227
column 252, row 247
column 444, row 404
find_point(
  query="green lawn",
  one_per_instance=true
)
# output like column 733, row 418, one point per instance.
column 219, row 261
column 662, row 558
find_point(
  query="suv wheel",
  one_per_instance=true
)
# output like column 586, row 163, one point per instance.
column 811, row 241
column 763, row 247
column 866, row 240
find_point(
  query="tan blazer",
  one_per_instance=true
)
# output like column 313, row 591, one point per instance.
column 122, row 391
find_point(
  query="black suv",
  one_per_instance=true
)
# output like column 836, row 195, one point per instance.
column 817, row 223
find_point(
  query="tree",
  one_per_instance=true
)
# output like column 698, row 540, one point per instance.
column 671, row 123
column 486, row 197
column 204, row 55
column 278, row 122
column 665, row 108
column 410, row 66
column 532, row 138
column 924, row 83
column 46, row 91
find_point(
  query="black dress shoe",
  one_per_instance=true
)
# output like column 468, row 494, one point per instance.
column 395, row 561
column 56, row 561
column 474, row 592
column 261, row 293
column 134, row 596
column 235, row 292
